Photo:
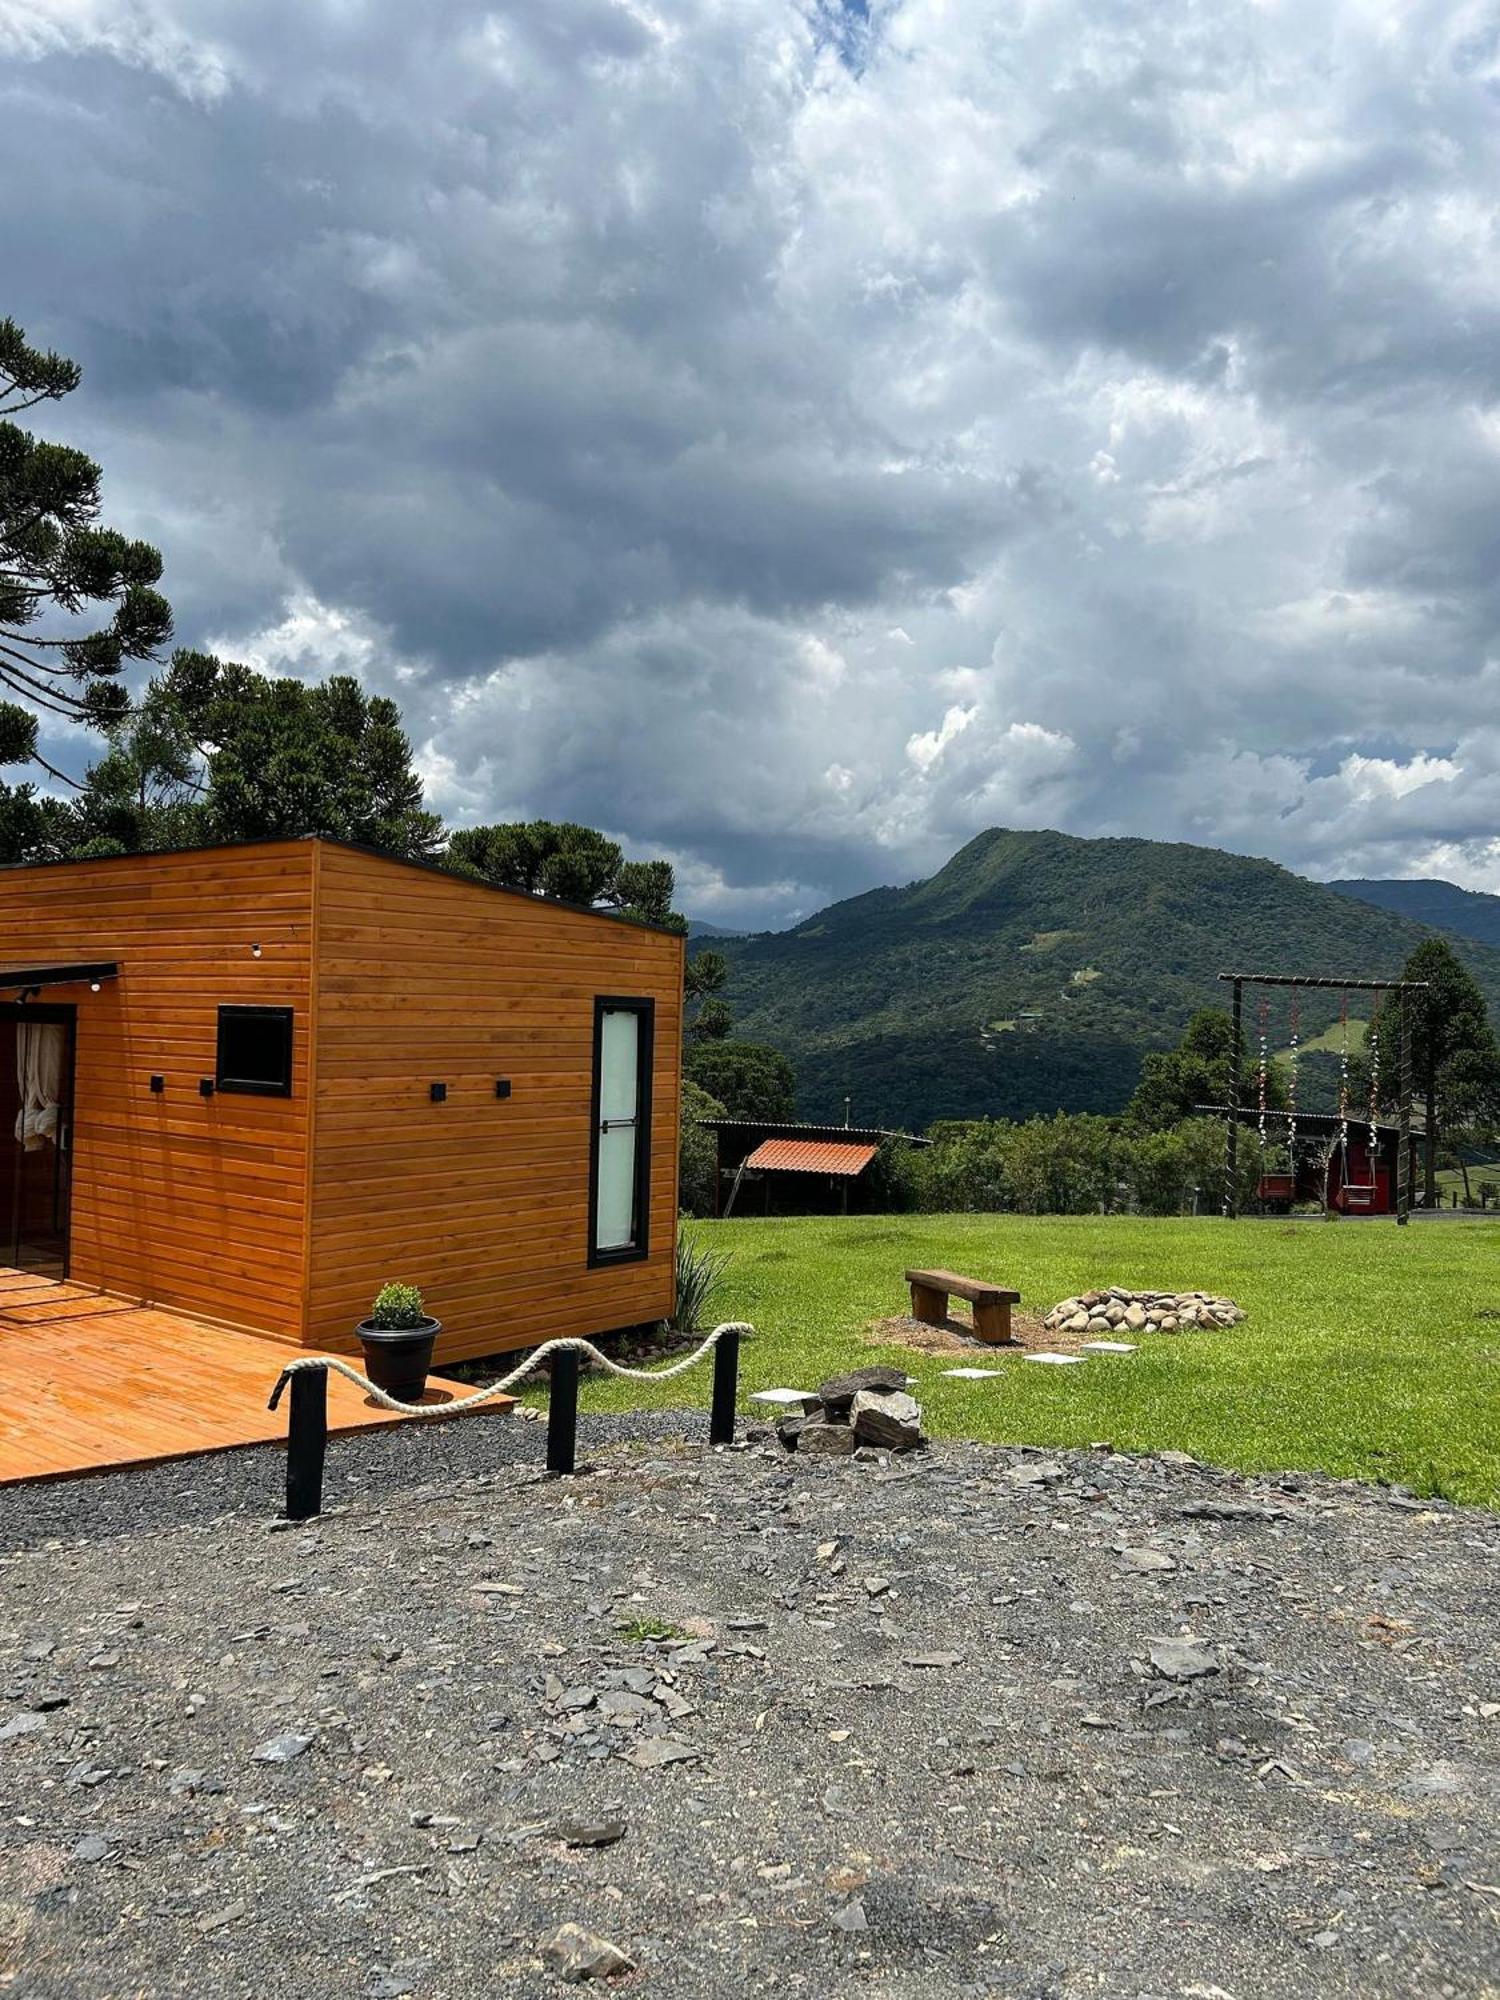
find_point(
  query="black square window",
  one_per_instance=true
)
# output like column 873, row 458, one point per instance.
column 255, row 1050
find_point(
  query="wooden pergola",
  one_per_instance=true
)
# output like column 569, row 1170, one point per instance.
column 1239, row 981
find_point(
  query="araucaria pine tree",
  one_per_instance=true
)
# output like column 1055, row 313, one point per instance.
column 77, row 600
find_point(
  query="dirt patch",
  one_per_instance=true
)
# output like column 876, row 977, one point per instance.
column 957, row 1336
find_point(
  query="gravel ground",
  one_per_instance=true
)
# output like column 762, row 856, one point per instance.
column 905, row 1729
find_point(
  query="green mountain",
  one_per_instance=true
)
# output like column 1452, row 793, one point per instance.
column 1033, row 972
column 1462, row 913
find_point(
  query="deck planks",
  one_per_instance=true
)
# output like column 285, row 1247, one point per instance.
column 92, row 1383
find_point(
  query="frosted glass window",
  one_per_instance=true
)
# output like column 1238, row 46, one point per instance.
column 615, row 1205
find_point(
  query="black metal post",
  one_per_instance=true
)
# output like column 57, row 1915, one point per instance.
column 726, row 1389
column 562, row 1411
column 1232, row 1147
column 306, row 1444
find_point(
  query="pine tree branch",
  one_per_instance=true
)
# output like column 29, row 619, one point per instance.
column 13, row 667
column 53, row 772
column 29, row 403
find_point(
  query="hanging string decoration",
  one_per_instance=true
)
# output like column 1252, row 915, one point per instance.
column 1374, row 1041
column 1263, row 1071
column 1291, row 1084
column 1344, row 1078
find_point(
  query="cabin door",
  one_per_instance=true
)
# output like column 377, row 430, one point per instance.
column 36, row 1122
column 619, row 1203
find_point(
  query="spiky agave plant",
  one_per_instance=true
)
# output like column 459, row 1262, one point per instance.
column 700, row 1272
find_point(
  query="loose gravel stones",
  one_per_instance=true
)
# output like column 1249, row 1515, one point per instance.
column 1052, row 1723
column 576, row 1954
column 281, row 1749
column 1182, row 1659
column 590, row 1832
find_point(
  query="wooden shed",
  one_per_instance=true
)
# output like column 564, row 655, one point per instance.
column 254, row 1082
column 792, row 1168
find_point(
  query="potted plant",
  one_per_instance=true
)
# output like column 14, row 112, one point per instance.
column 397, row 1339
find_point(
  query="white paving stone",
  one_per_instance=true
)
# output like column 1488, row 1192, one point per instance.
column 1056, row 1360
column 782, row 1396
column 1108, row 1347
column 972, row 1374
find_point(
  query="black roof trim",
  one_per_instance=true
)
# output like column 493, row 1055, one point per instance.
column 790, row 1129
column 58, row 975
column 352, row 847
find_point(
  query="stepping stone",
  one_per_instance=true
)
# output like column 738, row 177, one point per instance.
column 1108, row 1347
column 972, row 1374
column 783, row 1396
column 1056, row 1360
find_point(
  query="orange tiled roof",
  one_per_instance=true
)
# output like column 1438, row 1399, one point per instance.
column 811, row 1156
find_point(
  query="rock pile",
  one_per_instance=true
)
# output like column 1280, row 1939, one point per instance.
column 868, row 1407
column 1141, row 1312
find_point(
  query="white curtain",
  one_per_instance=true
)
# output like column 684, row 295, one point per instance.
column 40, row 1046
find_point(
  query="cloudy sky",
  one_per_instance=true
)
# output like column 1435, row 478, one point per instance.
column 795, row 437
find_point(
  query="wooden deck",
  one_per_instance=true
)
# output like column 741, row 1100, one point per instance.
column 90, row 1382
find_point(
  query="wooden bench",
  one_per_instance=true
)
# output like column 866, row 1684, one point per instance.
column 929, row 1302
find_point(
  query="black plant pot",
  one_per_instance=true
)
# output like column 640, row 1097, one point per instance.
column 397, row 1358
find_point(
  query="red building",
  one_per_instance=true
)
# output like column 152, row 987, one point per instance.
column 1332, row 1162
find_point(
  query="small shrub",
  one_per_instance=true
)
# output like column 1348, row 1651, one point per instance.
column 640, row 1630
column 398, row 1306
column 699, row 1273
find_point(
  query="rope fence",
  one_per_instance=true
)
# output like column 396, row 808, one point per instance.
column 307, row 1415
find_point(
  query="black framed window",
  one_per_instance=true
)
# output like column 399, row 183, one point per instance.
column 255, row 1050
column 620, row 1154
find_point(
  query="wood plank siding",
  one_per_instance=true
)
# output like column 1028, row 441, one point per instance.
column 483, row 1202
column 284, row 1214
column 189, row 1201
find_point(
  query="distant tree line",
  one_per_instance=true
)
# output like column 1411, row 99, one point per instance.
column 1162, row 1157
column 1076, row 1163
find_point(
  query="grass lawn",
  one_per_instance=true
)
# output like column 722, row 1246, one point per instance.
column 1365, row 1353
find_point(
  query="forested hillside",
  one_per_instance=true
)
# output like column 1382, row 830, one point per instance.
column 1034, row 970
column 1468, row 913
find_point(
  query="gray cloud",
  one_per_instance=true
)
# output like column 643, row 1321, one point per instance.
column 795, row 437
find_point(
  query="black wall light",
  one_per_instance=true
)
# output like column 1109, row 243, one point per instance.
column 438, row 1092
column 502, row 1086
column 158, row 1085
column 205, row 1086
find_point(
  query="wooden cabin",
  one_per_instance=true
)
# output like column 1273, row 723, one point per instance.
column 255, row 1082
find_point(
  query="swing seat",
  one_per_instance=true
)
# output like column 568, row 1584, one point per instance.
column 1276, row 1187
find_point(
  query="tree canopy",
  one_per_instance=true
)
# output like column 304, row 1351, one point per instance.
column 1455, row 1060
column 571, row 863
column 77, row 599
column 709, row 1015
column 214, row 752
column 1176, row 1083
column 749, row 1079
column 697, row 1153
